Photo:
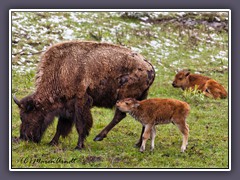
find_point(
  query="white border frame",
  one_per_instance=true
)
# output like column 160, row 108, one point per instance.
column 117, row 10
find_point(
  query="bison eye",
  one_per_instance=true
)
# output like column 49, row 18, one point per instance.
column 180, row 78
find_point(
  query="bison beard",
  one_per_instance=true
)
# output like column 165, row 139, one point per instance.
column 74, row 76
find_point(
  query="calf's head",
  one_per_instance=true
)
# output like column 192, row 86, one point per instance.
column 127, row 105
column 181, row 79
column 32, row 118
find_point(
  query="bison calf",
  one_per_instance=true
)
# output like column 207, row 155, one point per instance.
column 208, row 86
column 156, row 111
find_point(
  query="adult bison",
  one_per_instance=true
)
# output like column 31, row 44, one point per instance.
column 72, row 77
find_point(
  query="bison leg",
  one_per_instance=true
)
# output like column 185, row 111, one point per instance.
column 83, row 119
column 139, row 143
column 145, row 136
column 117, row 118
column 64, row 127
column 185, row 131
column 153, row 135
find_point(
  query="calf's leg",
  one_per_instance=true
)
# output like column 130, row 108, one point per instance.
column 145, row 136
column 185, row 131
column 142, row 97
column 153, row 135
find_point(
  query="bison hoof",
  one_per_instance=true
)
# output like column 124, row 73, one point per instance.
column 138, row 145
column 142, row 150
column 53, row 143
column 183, row 148
column 99, row 138
column 78, row 148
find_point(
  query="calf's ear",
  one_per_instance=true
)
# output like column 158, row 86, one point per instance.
column 136, row 105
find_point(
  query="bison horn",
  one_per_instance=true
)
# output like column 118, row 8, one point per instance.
column 16, row 101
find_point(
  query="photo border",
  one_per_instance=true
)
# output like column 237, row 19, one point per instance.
column 120, row 169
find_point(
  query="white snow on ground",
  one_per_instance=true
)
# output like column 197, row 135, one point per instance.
column 22, row 69
column 136, row 49
column 155, row 68
column 68, row 34
column 155, row 43
column 181, row 14
column 194, row 56
column 55, row 19
column 158, row 48
column 133, row 25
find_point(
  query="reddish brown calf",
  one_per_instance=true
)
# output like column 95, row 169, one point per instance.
column 156, row 111
column 209, row 87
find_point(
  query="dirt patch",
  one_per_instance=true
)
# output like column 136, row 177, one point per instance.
column 92, row 159
column 214, row 20
column 187, row 22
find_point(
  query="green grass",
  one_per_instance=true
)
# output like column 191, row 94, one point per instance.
column 168, row 47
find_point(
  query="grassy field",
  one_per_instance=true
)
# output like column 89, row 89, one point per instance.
column 169, row 45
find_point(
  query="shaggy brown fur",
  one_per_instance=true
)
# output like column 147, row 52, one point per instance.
column 208, row 86
column 71, row 73
column 151, row 112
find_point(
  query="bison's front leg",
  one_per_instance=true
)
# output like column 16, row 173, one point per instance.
column 64, row 127
column 83, row 119
column 139, row 143
column 117, row 118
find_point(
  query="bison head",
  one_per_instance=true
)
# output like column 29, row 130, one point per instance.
column 32, row 117
column 181, row 79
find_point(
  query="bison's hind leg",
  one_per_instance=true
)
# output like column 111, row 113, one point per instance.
column 84, row 122
column 64, row 127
